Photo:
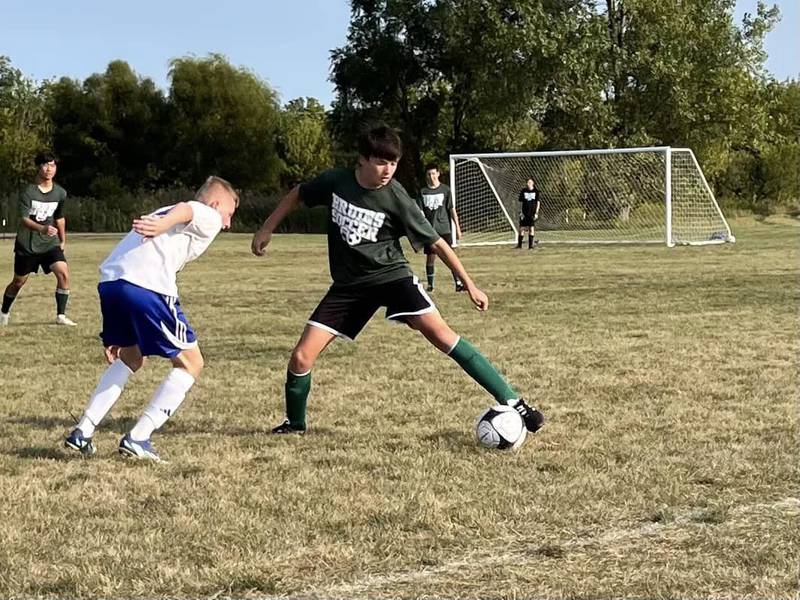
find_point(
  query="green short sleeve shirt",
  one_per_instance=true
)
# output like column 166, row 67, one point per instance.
column 436, row 204
column 365, row 227
column 44, row 208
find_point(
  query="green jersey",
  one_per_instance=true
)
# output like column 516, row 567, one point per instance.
column 437, row 203
column 365, row 228
column 44, row 208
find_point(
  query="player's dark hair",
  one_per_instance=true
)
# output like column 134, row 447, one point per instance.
column 431, row 166
column 44, row 157
column 380, row 141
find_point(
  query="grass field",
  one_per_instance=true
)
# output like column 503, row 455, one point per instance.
column 668, row 468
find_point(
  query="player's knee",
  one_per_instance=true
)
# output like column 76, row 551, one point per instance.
column 191, row 360
column 300, row 361
column 17, row 283
column 133, row 361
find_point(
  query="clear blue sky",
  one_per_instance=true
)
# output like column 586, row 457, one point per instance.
column 285, row 42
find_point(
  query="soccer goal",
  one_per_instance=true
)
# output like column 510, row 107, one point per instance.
column 630, row 195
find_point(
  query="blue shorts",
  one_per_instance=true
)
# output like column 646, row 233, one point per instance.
column 135, row 316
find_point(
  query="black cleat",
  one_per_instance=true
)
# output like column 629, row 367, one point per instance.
column 533, row 418
column 287, row 428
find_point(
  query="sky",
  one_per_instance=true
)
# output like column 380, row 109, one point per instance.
column 285, row 42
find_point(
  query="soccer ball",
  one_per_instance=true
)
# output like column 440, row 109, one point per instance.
column 500, row 427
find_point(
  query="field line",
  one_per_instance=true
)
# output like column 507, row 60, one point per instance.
column 363, row 585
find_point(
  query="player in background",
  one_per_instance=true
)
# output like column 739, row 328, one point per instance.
column 369, row 213
column 41, row 238
column 142, row 315
column 437, row 204
column 530, row 202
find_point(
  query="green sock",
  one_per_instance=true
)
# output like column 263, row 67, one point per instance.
column 62, row 296
column 430, row 271
column 297, row 389
column 481, row 370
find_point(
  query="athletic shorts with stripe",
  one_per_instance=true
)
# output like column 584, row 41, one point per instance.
column 135, row 316
column 344, row 311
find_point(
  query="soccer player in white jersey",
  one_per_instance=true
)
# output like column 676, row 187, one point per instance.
column 142, row 315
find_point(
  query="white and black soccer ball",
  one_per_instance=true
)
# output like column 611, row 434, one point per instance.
column 500, row 427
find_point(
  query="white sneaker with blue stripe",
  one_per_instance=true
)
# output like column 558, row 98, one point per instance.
column 76, row 441
column 143, row 449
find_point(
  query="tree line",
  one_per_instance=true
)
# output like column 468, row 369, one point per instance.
column 452, row 76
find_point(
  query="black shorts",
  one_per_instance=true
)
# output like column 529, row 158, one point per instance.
column 25, row 264
column 447, row 237
column 527, row 221
column 345, row 312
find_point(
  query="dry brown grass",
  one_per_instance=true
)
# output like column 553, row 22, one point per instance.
column 668, row 468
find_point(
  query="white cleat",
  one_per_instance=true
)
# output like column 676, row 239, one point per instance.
column 3, row 319
column 65, row 320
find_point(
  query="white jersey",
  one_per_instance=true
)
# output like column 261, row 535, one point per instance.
column 154, row 263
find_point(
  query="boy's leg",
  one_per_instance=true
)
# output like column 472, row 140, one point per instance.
column 170, row 395
column 520, row 236
column 430, row 269
column 10, row 294
column 61, row 271
column 476, row 365
column 105, row 395
column 312, row 343
column 439, row 333
column 109, row 388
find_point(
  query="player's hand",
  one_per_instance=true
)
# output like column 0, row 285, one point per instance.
column 49, row 230
column 261, row 240
column 148, row 226
column 479, row 299
column 112, row 353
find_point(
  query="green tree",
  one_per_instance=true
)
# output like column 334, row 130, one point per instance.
column 24, row 126
column 225, row 122
column 110, row 131
column 304, row 143
column 460, row 75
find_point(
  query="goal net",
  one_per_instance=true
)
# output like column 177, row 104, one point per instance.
column 632, row 195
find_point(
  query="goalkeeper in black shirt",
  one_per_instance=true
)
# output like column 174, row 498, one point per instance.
column 530, row 203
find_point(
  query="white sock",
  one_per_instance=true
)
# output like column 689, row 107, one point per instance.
column 105, row 395
column 165, row 402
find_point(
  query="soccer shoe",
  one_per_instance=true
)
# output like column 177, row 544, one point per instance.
column 429, row 288
column 3, row 319
column 287, row 428
column 65, row 320
column 533, row 418
column 130, row 448
column 76, row 441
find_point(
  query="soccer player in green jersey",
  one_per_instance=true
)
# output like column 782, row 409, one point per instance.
column 41, row 238
column 369, row 213
column 437, row 205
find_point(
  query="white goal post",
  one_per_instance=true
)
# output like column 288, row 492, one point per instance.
column 627, row 195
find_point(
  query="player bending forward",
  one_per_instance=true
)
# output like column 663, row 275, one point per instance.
column 369, row 213
column 142, row 315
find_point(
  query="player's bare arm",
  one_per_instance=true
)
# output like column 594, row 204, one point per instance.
column 150, row 226
column 263, row 236
column 43, row 229
column 61, row 227
column 444, row 252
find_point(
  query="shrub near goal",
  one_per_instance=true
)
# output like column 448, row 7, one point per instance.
column 632, row 195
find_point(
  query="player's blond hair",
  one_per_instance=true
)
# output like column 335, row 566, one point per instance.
column 212, row 181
